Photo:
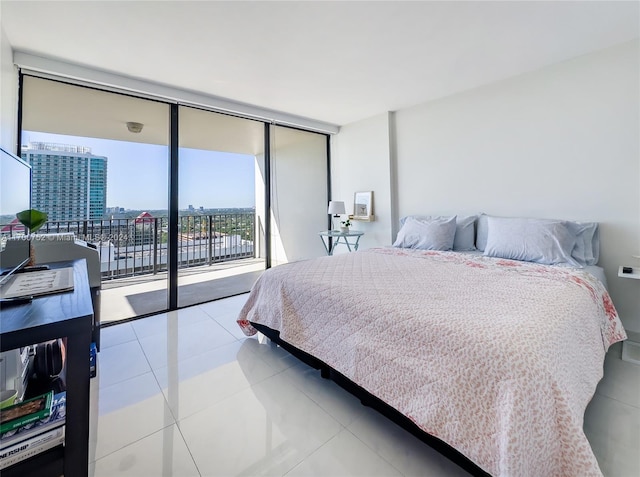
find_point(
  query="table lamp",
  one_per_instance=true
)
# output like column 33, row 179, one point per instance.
column 336, row 207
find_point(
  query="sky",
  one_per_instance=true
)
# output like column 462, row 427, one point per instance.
column 138, row 174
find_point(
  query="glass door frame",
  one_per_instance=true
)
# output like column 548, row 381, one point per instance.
column 173, row 218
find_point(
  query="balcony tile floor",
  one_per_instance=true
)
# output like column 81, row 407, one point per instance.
column 125, row 298
column 168, row 403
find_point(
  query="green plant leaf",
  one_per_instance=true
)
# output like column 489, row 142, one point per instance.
column 32, row 219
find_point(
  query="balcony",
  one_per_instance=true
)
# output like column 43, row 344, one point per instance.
column 218, row 255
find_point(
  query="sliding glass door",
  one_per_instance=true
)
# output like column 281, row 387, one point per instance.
column 299, row 194
column 184, row 205
column 219, row 241
column 106, row 181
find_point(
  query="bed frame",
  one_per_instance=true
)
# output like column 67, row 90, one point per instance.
column 369, row 400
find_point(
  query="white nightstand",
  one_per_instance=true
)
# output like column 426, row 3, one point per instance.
column 630, row 349
column 333, row 239
column 634, row 274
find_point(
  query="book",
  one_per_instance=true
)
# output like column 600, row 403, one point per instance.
column 25, row 449
column 41, row 282
column 55, row 420
column 25, row 412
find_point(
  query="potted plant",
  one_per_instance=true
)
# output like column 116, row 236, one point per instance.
column 344, row 228
column 32, row 220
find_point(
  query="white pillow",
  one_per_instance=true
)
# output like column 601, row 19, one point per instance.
column 464, row 238
column 427, row 234
column 542, row 241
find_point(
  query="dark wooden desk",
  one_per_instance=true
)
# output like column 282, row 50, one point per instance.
column 46, row 318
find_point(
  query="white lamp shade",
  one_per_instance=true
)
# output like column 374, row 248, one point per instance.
column 336, row 207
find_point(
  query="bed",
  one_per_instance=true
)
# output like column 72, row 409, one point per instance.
column 491, row 360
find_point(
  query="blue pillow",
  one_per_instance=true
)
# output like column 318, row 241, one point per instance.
column 464, row 238
column 427, row 234
column 587, row 249
column 482, row 231
column 585, row 252
column 532, row 240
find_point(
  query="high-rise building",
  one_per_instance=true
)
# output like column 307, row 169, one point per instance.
column 67, row 182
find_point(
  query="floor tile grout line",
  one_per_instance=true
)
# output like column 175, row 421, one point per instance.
column 164, row 398
column 600, row 384
column 130, row 377
column 169, row 315
column 212, row 404
column 348, row 428
column 224, row 326
column 234, row 340
column 135, row 441
column 198, row 306
column 314, row 452
column 340, row 425
column 104, row 344
column 373, row 450
column 617, row 400
column 330, row 382
column 249, row 385
column 186, row 444
column 116, row 383
column 155, row 377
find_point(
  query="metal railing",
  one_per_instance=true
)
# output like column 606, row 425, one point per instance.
column 129, row 247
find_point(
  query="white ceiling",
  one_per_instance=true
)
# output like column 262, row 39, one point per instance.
column 336, row 62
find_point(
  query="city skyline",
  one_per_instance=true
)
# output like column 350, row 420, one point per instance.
column 136, row 174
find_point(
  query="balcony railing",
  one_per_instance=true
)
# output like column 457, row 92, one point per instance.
column 129, row 247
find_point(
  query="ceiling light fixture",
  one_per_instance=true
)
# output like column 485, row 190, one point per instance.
column 134, row 127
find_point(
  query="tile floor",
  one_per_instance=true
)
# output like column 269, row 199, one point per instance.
column 187, row 394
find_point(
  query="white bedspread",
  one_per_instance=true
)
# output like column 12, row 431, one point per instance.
column 497, row 358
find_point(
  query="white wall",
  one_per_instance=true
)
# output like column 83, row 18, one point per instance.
column 561, row 142
column 8, row 95
column 360, row 162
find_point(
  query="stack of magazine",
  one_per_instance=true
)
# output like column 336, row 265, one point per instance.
column 31, row 427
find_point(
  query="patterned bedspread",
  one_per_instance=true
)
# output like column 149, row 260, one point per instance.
column 497, row 358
